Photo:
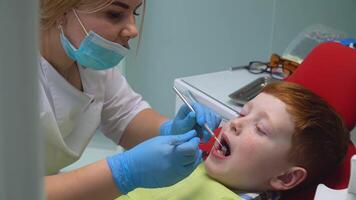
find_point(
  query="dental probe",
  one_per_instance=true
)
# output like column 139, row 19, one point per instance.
column 223, row 148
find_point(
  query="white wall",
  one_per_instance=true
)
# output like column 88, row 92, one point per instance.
column 20, row 146
column 188, row 37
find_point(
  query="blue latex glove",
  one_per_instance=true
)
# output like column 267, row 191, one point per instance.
column 158, row 162
column 187, row 120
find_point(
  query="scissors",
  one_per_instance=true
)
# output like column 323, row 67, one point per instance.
column 223, row 148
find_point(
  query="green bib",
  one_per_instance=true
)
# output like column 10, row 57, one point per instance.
column 196, row 186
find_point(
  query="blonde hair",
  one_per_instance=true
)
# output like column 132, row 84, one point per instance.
column 51, row 10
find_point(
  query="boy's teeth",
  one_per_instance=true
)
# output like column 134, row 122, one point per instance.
column 223, row 150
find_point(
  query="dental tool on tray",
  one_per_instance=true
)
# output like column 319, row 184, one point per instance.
column 223, row 148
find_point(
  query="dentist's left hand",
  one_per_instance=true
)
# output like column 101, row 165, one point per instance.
column 158, row 162
column 187, row 120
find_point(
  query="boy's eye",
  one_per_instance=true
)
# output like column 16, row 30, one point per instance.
column 259, row 130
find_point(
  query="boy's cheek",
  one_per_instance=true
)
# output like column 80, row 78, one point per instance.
column 247, row 146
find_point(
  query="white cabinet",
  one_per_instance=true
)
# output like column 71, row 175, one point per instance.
column 212, row 89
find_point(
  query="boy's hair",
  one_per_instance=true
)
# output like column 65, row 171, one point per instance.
column 320, row 138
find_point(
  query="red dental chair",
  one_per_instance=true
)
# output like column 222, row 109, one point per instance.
column 329, row 70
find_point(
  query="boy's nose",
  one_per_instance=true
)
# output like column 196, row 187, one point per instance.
column 236, row 127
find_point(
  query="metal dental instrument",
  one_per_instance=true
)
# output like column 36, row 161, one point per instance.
column 223, row 148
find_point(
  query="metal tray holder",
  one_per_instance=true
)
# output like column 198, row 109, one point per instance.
column 248, row 92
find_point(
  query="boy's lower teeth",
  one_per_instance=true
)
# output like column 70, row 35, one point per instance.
column 221, row 152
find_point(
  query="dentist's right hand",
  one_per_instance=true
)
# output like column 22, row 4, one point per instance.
column 158, row 162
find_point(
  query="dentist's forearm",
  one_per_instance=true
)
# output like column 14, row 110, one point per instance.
column 90, row 182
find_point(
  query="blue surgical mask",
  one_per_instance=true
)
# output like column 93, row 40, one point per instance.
column 94, row 52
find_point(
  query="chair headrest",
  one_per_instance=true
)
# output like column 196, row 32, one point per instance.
column 329, row 70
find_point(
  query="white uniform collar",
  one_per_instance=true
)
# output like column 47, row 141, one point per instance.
column 67, row 101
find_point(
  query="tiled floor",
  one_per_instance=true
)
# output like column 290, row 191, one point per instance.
column 99, row 148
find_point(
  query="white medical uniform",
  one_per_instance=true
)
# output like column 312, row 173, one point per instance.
column 69, row 117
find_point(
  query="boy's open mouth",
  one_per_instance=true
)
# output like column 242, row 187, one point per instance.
column 225, row 149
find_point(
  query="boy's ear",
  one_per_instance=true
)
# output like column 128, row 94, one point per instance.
column 289, row 179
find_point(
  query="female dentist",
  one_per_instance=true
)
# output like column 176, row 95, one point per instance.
column 80, row 90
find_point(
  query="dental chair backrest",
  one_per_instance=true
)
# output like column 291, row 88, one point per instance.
column 329, row 70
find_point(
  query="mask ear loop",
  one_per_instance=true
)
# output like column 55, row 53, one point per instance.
column 60, row 28
column 80, row 22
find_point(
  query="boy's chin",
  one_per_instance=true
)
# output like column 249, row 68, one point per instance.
column 212, row 168
column 218, row 173
column 210, row 164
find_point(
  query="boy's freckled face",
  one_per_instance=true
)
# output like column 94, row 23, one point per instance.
column 258, row 142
